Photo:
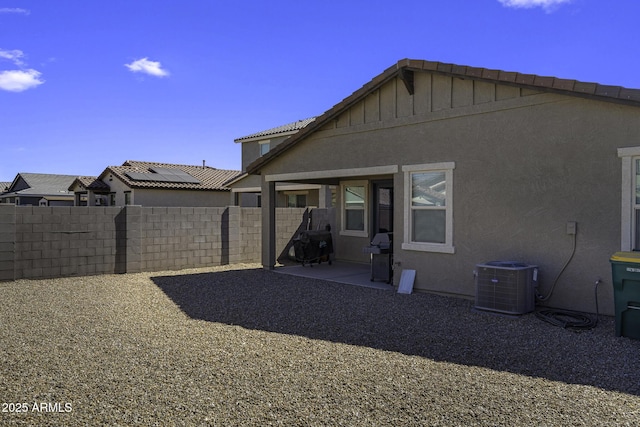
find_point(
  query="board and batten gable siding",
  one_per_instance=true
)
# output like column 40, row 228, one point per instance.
column 433, row 92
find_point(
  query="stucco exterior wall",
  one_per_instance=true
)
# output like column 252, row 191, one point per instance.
column 177, row 198
column 526, row 163
column 251, row 149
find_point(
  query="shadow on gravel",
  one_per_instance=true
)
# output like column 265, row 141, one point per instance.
column 439, row 328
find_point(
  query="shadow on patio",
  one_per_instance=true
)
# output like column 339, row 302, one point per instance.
column 439, row 328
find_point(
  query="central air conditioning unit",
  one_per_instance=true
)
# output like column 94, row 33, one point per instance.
column 506, row 287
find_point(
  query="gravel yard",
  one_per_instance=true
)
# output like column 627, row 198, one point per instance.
column 237, row 345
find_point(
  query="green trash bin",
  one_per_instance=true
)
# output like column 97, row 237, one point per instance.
column 625, row 269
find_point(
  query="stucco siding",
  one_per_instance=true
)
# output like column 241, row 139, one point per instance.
column 178, row 198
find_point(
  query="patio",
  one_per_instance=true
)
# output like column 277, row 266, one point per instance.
column 349, row 273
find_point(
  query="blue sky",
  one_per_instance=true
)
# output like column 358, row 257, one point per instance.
column 89, row 84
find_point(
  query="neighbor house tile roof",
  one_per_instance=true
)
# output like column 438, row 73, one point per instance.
column 404, row 69
column 278, row 131
column 208, row 178
column 90, row 183
column 4, row 186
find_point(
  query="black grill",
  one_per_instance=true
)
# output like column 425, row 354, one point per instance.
column 381, row 251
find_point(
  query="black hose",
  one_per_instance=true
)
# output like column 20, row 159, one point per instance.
column 571, row 319
column 555, row 282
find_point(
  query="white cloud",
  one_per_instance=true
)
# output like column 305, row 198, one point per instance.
column 547, row 5
column 19, row 80
column 153, row 68
column 15, row 10
column 13, row 56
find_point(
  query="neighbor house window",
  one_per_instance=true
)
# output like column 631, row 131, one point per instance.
column 264, row 147
column 297, row 200
column 428, row 216
column 354, row 208
column 127, row 197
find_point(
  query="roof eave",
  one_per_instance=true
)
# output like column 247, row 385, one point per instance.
column 355, row 97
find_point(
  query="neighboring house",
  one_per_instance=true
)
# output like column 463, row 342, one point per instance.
column 39, row 189
column 4, row 187
column 482, row 165
column 246, row 188
column 155, row 184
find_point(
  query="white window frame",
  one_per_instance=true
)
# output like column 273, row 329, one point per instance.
column 343, row 209
column 628, row 155
column 264, row 144
column 408, row 244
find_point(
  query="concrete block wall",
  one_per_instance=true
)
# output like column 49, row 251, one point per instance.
column 250, row 234
column 64, row 241
column 185, row 237
column 48, row 242
column 287, row 222
column 7, row 241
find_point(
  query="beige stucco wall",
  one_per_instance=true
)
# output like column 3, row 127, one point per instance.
column 525, row 164
column 251, row 149
column 178, row 198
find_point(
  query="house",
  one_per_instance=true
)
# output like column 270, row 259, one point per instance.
column 246, row 188
column 38, row 189
column 479, row 165
column 155, row 184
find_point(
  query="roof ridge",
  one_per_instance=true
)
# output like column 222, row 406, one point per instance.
column 134, row 163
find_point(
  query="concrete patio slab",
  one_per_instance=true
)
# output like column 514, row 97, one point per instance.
column 339, row 271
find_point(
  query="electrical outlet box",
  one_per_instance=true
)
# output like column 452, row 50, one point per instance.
column 572, row 227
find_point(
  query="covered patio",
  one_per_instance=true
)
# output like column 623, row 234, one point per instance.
column 349, row 273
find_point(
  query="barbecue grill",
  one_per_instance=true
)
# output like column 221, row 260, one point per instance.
column 313, row 246
column 381, row 251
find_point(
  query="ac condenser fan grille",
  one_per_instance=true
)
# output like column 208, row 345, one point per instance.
column 505, row 287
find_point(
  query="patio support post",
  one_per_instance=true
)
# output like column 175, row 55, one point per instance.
column 324, row 197
column 268, row 224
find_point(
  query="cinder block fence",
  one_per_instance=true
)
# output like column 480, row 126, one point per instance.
column 48, row 242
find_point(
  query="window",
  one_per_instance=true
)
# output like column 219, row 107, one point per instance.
column 428, row 222
column 127, row 197
column 264, row 147
column 112, row 199
column 354, row 212
column 297, row 200
column 630, row 218
column 636, row 206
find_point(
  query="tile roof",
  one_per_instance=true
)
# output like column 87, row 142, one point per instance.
column 90, row 183
column 404, row 67
column 279, row 130
column 208, row 178
column 4, row 186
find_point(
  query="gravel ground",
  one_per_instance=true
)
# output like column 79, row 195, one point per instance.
column 241, row 346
